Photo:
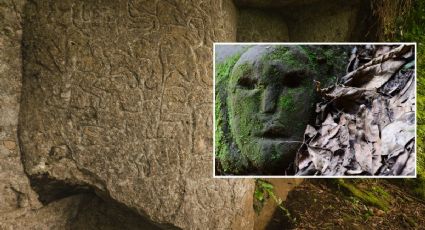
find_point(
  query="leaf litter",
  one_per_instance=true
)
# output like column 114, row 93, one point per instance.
column 366, row 123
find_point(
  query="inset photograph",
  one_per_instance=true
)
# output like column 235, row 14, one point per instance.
column 314, row 110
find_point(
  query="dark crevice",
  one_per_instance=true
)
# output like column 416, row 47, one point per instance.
column 50, row 190
column 247, row 83
column 96, row 210
column 275, row 133
column 107, row 213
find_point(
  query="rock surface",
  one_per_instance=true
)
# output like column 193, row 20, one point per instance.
column 304, row 21
column 19, row 206
column 15, row 190
column 53, row 216
column 116, row 98
column 327, row 21
column 261, row 26
column 271, row 3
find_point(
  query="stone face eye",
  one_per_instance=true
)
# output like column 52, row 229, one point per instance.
column 294, row 78
column 247, row 83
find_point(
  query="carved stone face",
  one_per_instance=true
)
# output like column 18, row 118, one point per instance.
column 270, row 101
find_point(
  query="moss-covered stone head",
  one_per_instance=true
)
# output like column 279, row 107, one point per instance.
column 270, row 101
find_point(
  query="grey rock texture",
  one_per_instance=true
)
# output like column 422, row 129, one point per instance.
column 222, row 52
column 117, row 98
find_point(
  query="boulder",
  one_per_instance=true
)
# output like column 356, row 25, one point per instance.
column 116, row 99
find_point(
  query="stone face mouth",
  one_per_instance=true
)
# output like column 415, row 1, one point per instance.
column 274, row 132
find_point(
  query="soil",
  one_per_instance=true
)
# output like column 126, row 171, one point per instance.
column 320, row 204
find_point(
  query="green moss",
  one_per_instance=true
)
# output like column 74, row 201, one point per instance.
column 241, row 70
column 312, row 56
column 222, row 151
column 380, row 192
column 246, row 121
column 412, row 28
column 221, row 148
column 333, row 61
column 223, row 69
column 244, row 68
column 285, row 55
column 287, row 103
column 329, row 54
column 279, row 54
column 418, row 184
column 365, row 196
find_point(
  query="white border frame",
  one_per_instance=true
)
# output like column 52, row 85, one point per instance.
column 317, row 43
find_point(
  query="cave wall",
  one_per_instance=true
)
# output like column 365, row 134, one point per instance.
column 329, row 21
column 260, row 25
column 304, row 21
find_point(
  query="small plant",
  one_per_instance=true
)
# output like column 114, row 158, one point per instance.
column 264, row 191
column 261, row 194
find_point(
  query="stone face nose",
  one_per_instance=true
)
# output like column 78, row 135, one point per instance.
column 270, row 97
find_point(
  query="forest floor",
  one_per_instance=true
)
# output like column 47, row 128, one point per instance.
column 323, row 204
